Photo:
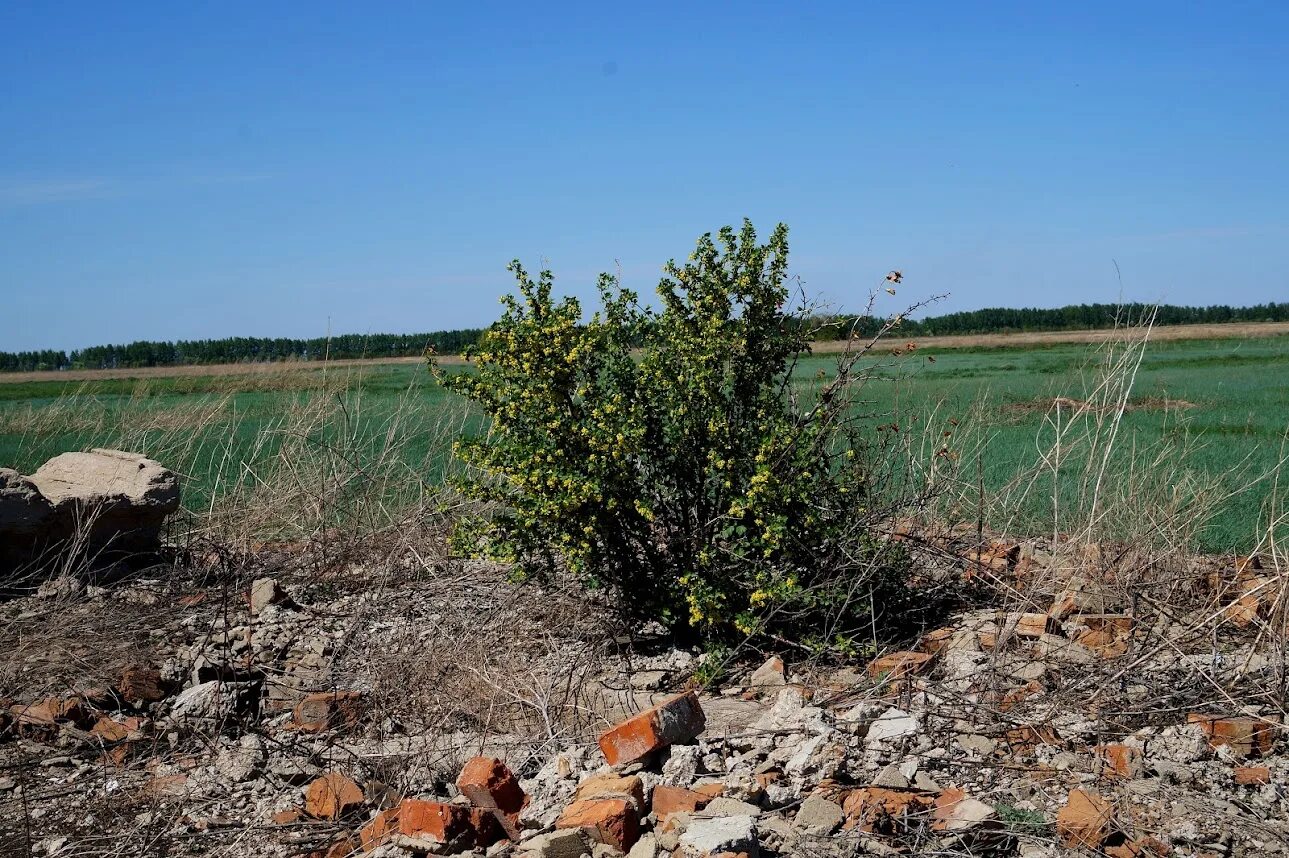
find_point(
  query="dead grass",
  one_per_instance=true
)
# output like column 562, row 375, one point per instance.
column 1233, row 330
column 1074, row 408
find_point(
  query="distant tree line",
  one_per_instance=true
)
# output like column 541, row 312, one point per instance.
column 261, row 349
column 1076, row 317
column 240, row 350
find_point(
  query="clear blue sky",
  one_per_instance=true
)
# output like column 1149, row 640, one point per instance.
column 188, row 170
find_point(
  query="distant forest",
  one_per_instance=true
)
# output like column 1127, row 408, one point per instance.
column 265, row 349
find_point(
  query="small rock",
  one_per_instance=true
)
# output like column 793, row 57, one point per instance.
column 769, row 676
column 727, row 834
column 819, row 816
column 556, row 844
column 265, row 592
column 892, row 724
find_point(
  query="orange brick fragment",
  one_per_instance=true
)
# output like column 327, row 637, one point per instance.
column 898, row 665
column 1085, row 821
column 877, row 810
column 489, row 784
column 935, row 641
column 676, row 719
column 141, row 683
column 1034, row 625
column 612, row 785
column 1120, row 761
column 332, row 796
column 46, row 715
column 1244, row 734
column 609, row 820
column 382, row 827
column 1252, row 775
column 434, row 820
column 1029, row 737
column 326, row 709
column 673, row 799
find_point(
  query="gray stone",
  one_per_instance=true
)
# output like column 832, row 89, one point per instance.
column 104, row 504
column 891, row 777
column 974, row 743
column 124, row 497
column 211, row 701
column 892, row 724
column 265, row 592
column 240, row 762
column 819, row 816
column 25, row 516
column 769, row 676
column 967, row 814
column 556, row 844
column 722, row 834
column 725, row 806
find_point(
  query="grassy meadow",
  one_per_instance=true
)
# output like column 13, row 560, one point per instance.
column 1200, row 439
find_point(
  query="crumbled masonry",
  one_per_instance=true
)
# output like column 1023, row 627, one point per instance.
column 268, row 718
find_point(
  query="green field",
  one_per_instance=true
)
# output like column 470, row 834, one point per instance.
column 1207, row 417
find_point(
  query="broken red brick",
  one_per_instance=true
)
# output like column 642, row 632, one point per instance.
column 612, row 785
column 343, row 848
column 711, row 789
column 608, row 820
column 287, row 817
column 877, row 810
column 326, row 709
column 935, row 641
column 332, row 796
column 44, row 716
column 1243, row 734
column 898, row 665
column 1142, row 847
column 114, row 736
column 1252, row 775
column 1105, row 642
column 434, row 820
column 1085, row 821
column 667, row 800
column 382, row 827
column 1120, row 761
column 489, row 784
column 1027, row 738
column 141, row 683
column 676, row 719
column 1034, row 625
column 1018, row 695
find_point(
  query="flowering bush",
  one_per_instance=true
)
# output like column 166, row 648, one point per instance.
column 667, row 454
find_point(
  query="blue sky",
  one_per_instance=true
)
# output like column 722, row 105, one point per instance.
column 210, row 169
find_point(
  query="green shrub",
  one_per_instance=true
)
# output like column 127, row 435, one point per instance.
column 667, row 455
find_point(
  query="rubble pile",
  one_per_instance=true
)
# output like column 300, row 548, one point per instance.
column 1080, row 718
